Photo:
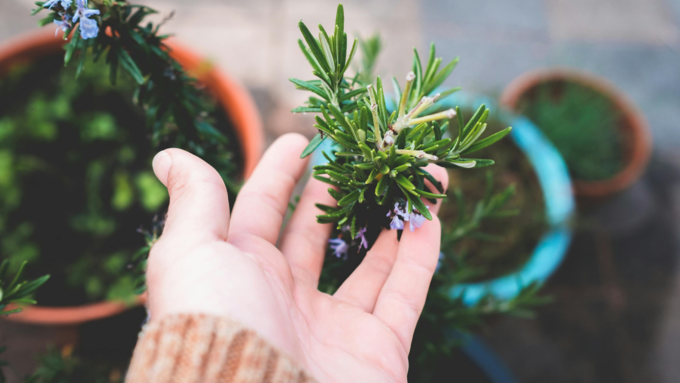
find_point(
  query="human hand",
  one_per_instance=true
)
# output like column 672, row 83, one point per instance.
column 211, row 261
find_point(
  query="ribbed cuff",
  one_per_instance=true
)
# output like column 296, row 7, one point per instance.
column 188, row 348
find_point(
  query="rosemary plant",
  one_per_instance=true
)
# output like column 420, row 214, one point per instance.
column 582, row 123
column 14, row 289
column 61, row 366
column 377, row 164
column 177, row 108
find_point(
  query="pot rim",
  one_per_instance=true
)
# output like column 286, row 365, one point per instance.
column 232, row 96
column 639, row 152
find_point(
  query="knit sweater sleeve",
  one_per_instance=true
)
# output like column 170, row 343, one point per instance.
column 193, row 348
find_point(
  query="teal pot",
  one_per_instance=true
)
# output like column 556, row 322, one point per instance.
column 555, row 183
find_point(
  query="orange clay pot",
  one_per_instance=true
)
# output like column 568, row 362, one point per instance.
column 233, row 98
column 637, row 142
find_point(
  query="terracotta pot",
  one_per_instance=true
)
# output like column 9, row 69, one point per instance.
column 233, row 98
column 637, row 142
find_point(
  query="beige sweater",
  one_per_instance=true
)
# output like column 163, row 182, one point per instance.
column 200, row 348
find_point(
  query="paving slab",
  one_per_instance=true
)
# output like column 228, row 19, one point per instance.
column 648, row 21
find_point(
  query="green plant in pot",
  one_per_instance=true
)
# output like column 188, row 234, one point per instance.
column 603, row 138
column 77, row 144
column 516, row 230
column 15, row 289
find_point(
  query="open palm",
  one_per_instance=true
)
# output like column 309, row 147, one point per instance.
column 208, row 261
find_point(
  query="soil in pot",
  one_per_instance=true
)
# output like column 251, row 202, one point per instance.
column 75, row 178
column 582, row 123
column 500, row 245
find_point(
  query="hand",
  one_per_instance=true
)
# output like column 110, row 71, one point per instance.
column 208, row 261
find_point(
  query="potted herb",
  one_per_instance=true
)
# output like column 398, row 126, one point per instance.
column 126, row 92
column 528, row 247
column 602, row 136
column 14, row 289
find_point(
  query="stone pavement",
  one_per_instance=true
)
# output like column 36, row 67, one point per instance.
column 633, row 43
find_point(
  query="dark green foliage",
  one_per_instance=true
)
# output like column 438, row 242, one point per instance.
column 61, row 367
column 121, row 191
column 380, row 153
column 509, row 236
column 174, row 103
column 75, row 179
column 583, row 124
column 14, row 288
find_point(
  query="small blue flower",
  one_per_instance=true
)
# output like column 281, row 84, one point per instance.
column 416, row 220
column 361, row 234
column 88, row 27
column 339, row 247
column 64, row 25
column 51, row 3
column 399, row 216
column 397, row 224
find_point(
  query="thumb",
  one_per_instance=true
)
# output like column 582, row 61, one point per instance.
column 199, row 203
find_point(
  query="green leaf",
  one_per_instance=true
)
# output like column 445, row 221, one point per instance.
column 310, row 87
column 351, row 56
column 353, row 93
column 418, row 70
column 480, row 163
column 30, row 287
column 338, row 177
column 433, row 180
column 481, row 144
column 314, row 47
column 473, row 121
column 349, row 198
column 418, row 204
column 327, row 180
column 467, row 164
column 71, row 46
column 442, row 76
column 382, row 185
column 130, row 66
column 403, row 181
column 316, row 141
column 340, row 19
column 427, row 194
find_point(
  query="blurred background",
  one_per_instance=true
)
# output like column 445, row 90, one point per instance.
column 616, row 310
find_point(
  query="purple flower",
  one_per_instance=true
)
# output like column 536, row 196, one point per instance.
column 51, row 3
column 399, row 216
column 397, row 224
column 88, row 27
column 361, row 234
column 416, row 220
column 339, row 247
column 63, row 24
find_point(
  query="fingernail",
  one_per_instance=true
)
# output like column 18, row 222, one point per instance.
column 161, row 166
